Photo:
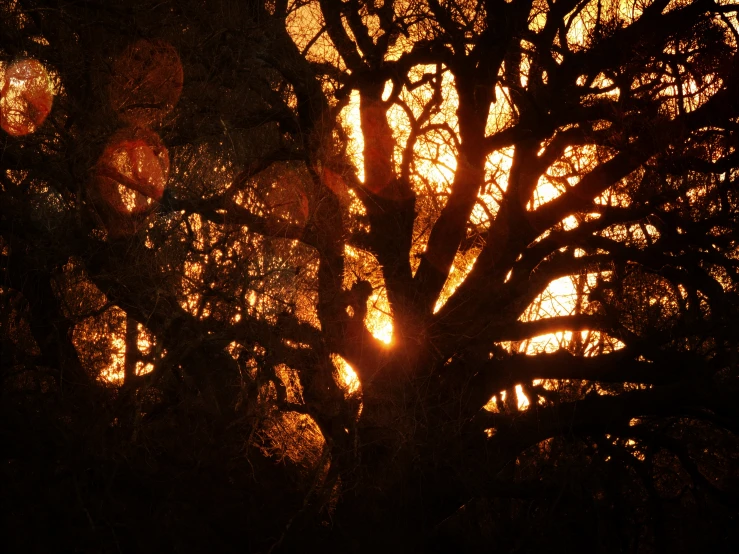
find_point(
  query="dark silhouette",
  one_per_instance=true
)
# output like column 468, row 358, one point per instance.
column 543, row 205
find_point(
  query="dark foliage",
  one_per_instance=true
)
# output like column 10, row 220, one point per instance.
column 174, row 370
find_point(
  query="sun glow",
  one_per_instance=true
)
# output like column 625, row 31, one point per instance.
column 437, row 167
column 347, row 377
column 521, row 399
column 379, row 322
column 498, row 406
column 563, row 297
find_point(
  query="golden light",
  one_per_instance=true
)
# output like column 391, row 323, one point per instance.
column 563, row 297
column 114, row 372
column 457, row 274
column 294, row 436
column 26, row 96
column 130, row 175
column 306, row 28
column 492, row 405
column 584, row 20
column 566, row 172
column 347, row 376
column 193, row 271
column 378, row 321
column 521, row 398
column 522, row 401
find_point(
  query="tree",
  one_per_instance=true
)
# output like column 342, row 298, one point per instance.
column 201, row 264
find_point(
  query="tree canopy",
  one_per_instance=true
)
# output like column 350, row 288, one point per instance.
column 421, row 275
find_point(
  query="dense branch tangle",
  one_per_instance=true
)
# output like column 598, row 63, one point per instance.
column 522, row 144
column 538, row 198
column 512, row 155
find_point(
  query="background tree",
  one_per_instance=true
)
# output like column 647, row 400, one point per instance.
column 415, row 275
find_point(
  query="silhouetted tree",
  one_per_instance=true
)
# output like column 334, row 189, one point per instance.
column 205, row 244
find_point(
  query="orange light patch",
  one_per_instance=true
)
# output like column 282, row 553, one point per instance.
column 347, row 377
column 130, row 175
column 26, row 96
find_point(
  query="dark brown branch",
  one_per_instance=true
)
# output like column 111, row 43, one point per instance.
column 593, row 414
column 522, row 330
column 335, row 28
